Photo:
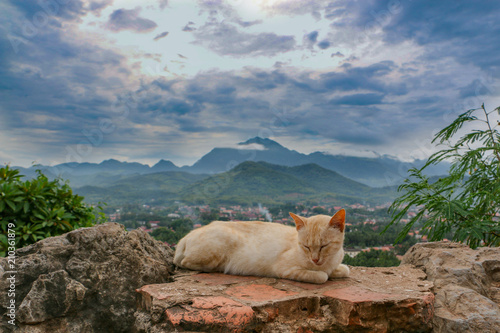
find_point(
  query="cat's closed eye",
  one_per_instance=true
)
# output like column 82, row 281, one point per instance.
column 307, row 247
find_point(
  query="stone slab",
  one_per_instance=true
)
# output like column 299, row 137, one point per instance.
column 377, row 299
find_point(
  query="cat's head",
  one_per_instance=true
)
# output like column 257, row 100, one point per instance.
column 320, row 236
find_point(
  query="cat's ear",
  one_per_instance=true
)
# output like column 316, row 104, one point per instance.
column 299, row 222
column 338, row 220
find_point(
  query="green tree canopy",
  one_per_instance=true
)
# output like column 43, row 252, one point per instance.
column 373, row 258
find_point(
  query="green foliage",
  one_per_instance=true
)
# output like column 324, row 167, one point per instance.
column 38, row 208
column 373, row 258
column 176, row 230
column 320, row 210
column 207, row 217
column 466, row 202
column 363, row 236
column 155, row 188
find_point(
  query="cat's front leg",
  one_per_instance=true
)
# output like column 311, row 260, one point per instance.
column 340, row 272
column 305, row 275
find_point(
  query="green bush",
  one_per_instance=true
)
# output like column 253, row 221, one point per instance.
column 174, row 232
column 35, row 209
column 373, row 258
column 465, row 203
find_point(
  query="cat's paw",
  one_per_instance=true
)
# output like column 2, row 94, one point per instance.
column 340, row 272
column 305, row 275
column 318, row 277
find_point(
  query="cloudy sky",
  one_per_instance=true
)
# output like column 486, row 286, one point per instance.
column 144, row 80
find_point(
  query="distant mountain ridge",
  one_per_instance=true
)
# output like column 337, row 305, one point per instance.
column 375, row 172
column 254, row 182
column 249, row 183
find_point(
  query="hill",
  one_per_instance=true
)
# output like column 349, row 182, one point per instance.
column 247, row 183
column 158, row 188
column 260, row 182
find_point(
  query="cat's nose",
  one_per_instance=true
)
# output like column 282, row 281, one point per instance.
column 315, row 261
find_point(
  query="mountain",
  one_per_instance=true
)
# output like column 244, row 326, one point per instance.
column 378, row 172
column 164, row 165
column 159, row 187
column 247, row 183
column 90, row 174
column 266, row 143
column 375, row 172
column 261, row 182
column 223, row 159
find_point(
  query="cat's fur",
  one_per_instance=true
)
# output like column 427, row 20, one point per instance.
column 311, row 252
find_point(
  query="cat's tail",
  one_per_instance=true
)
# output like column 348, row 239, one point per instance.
column 179, row 252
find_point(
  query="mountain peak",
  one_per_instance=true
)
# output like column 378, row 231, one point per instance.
column 164, row 162
column 265, row 142
column 164, row 165
column 111, row 161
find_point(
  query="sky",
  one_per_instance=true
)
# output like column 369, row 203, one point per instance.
column 85, row 81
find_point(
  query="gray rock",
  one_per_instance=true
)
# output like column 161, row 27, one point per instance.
column 52, row 295
column 85, row 280
column 466, row 285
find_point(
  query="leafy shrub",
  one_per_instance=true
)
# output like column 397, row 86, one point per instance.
column 465, row 203
column 373, row 258
column 38, row 208
column 174, row 232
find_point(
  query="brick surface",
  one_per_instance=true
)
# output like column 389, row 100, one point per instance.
column 394, row 299
column 258, row 293
column 212, row 311
column 314, row 286
column 355, row 294
column 219, row 278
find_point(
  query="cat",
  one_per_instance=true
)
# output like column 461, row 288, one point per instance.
column 311, row 252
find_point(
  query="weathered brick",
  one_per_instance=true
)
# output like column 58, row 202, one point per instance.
column 258, row 293
column 370, row 300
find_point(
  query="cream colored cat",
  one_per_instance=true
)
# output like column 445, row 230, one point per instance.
column 311, row 252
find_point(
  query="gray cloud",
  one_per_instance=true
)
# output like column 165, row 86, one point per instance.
column 324, row 44
column 226, row 39
column 160, row 36
column 163, row 4
column 124, row 19
column 97, row 6
column 54, row 86
column 64, row 10
column 443, row 27
column 310, row 39
column 220, row 10
column 354, row 106
column 189, row 27
column 298, row 7
column 312, row 36
column 55, row 89
column 246, row 24
column 358, row 99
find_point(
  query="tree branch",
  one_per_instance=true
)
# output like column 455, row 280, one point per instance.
column 495, row 144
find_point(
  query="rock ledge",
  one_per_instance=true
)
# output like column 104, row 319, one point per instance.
column 467, row 285
column 395, row 299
